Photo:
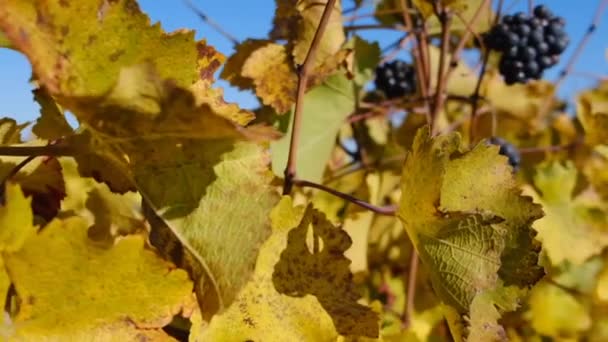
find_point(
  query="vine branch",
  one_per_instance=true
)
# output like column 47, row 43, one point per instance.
column 205, row 18
column 290, row 168
column 445, row 19
column 28, row 151
column 389, row 210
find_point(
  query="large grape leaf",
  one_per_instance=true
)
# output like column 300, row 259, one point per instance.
column 325, row 108
column 16, row 219
column 319, row 268
column 124, row 292
column 592, row 111
column 470, row 225
column 260, row 312
column 574, row 229
column 82, row 45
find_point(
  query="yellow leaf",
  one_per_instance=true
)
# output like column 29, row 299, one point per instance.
column 233, row 68
column 16, row 219
column 556, row 313
column 572, row 229
column 106, row 293
column 260, row 313
column 273, row 76
column 319, row 268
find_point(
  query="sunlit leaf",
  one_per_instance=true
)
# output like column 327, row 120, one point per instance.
column 259, row 312
column 468, row 222
column 592, row 111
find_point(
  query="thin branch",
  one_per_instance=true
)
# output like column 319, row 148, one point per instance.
column 455, row 57
column 445, row 19
column 373, row 27
column 556, row 148
column 408, row 310
column 205, row 18
column 389, row 210
column 482, row 73
column 27, row 151
column 290, row 168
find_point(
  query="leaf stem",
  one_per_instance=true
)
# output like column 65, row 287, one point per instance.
column 412, row 273
column 290, row 168
column 388, row 210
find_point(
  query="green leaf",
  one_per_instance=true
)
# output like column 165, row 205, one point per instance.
column 469, row 223
column 366, row 58
column 319, row 268
column 325, row 108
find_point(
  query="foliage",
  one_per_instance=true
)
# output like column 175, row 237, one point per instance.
column 160, row 216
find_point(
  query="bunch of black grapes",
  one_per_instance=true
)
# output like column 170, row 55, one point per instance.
column 396, row 79
column 529, row 44
column 507, row 150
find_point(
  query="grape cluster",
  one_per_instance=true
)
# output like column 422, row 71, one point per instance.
column 507, row 150
column 529, row 44
column 396, row 79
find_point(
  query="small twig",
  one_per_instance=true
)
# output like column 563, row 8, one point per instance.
column 205, row 18
column 556, row 148
column 445, row 19
column 389, row 210
column 27, row 151
column 408, row 310
column 290, row 168
column 575, row 56
column 455, row 57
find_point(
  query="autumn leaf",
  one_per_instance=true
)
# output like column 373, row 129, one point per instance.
column 139, row 291
column 16, row 219
column 51, row 124
column 469, row 224
column 320, row 268
column 233, row 68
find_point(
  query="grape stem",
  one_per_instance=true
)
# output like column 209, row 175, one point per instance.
column 388, row 210
column 302, row 71
column 412, row 273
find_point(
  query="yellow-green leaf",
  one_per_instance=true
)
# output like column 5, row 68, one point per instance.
column 572, row 230
column 106, row 293
column 233, row 68
column 84, row 44
column 592, row 111
column 556, row 313
column 468, row 222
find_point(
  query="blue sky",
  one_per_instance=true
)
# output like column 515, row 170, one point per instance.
column 247, row 18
